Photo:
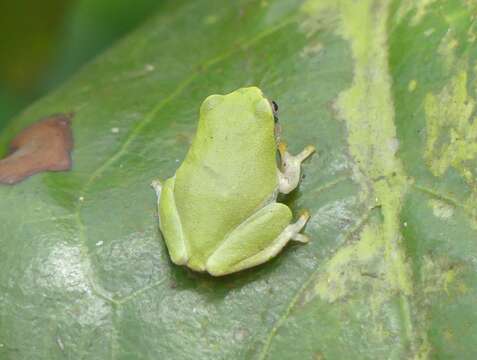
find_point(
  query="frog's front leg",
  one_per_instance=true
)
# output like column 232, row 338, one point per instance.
column 170, row 222
column 289, row 175
column 257, row 240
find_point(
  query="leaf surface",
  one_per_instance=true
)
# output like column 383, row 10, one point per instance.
column 386, row 92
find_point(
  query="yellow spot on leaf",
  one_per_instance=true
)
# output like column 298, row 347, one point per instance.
column 438, row 275
column 368, row 112
column 351, row 266
column 210, row 19
column 440, row 209
column 421, row 8
column 447, row 48
column 429, row 32
column 448, row 335
column 451, row 131
column 311, row 50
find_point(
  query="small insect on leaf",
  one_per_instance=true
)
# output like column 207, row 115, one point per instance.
column 43, row 146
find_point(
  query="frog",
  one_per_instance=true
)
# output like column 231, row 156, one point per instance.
column 219, row 212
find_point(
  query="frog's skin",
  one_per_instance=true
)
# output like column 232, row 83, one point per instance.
column 219, row 213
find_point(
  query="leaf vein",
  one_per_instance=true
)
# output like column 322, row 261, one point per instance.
column 346, row 236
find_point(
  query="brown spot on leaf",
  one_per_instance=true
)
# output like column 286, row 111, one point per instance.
column 43, row 146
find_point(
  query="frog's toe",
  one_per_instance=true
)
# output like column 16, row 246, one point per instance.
column 307, row 151
column 301, row 238
column 305, row 214
column 157, row 186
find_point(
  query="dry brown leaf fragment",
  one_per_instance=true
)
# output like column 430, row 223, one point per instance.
column 43, row 146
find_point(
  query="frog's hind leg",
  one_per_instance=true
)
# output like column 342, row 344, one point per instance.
column 289, row 176
column 170, row 222
column 257, row 240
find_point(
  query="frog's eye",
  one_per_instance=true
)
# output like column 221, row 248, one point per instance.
column 274, row 106
column 275, row 110
column 211, row 102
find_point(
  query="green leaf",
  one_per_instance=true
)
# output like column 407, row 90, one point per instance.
column 384, row 89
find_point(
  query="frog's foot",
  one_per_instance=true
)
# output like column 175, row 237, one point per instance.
column 157, row 186
column 289, row 176
column 257, row 240
column 298, row 226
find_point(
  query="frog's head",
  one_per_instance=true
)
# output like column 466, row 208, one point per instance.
column 245, row 110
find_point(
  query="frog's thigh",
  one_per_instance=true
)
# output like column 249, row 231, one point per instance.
column 170, row 224
column 253, row 242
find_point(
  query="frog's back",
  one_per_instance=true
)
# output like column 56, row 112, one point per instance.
column 229, row 172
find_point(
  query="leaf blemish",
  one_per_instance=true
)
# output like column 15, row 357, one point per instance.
column 412, row 85
column 440, row 209
column 43, row 146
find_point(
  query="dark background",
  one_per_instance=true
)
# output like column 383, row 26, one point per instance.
column 43, row 42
